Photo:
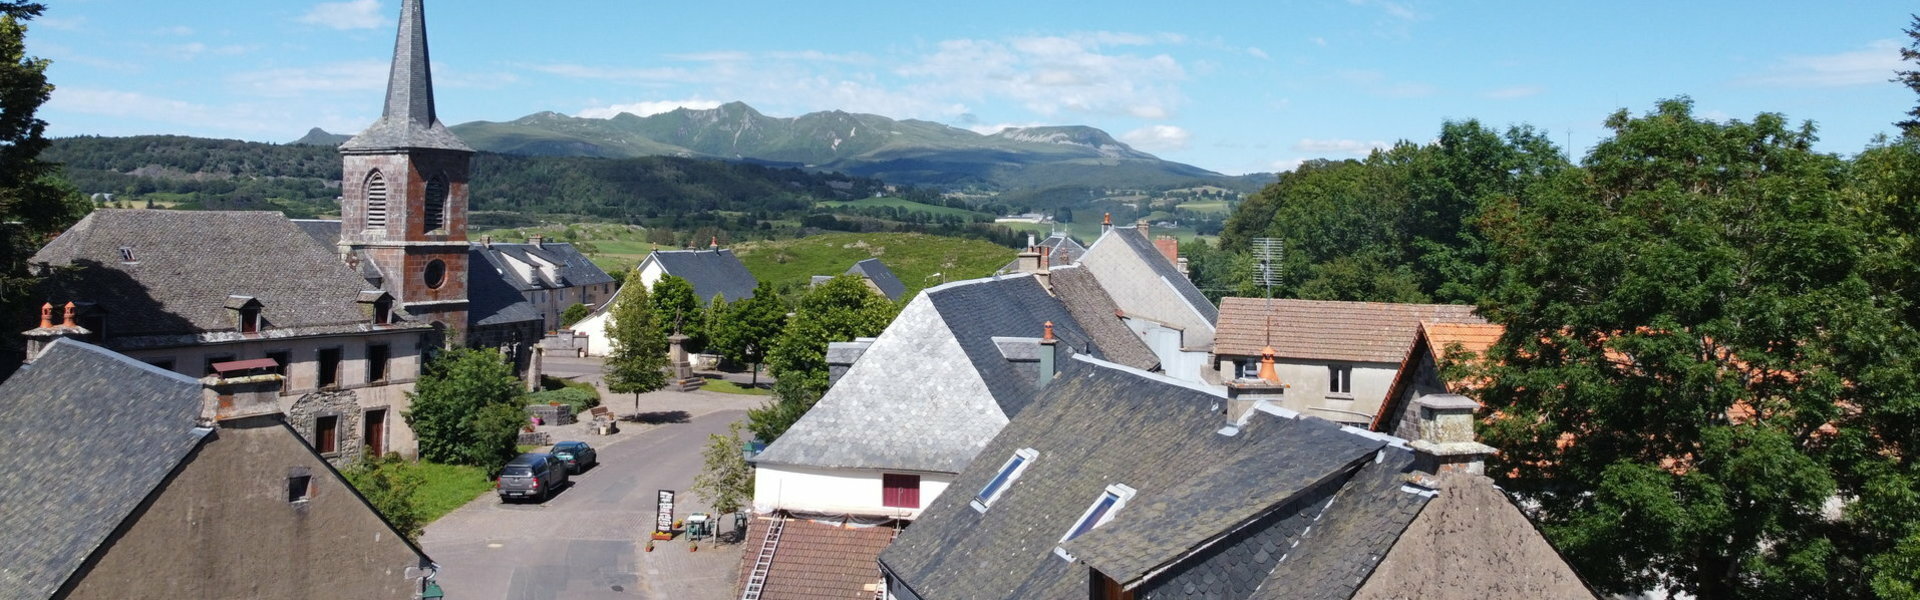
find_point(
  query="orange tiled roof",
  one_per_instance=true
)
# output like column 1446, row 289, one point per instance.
column 1328, row 330
column 817, row 560
column 1474, row 338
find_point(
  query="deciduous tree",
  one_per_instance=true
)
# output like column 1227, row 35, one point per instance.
column 465, row 408
column 839, row 310
column 750, row 327
column 726, row 482
column 639, row 357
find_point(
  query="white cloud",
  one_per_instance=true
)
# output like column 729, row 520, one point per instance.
column 1282, row 166
column 647, row 108
column 1158, row 138
column 617, row 73
column 1257, row 53
column 291, row 82
column 1873, row 65
column 160, row 114
column 1052, row 75
column 352, row 14
column 62, row 24
column 1339, row 147
column 177, row 30
column 1514, row 92
column 1318, row 41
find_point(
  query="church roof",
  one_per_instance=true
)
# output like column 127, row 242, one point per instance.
column 410, row 120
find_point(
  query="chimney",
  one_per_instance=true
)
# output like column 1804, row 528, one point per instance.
column 1048, row 359
column 1243, row 394
column 1168, row 247
column 1045, row 273
column 1447, row 441
column 841, row 356
column 714, row 243
column 1142, row 226
column 486, row 241
column 1030, row 260
column 1182, row 266
column 537, row 241
column 1106, row 224
column 39, row 338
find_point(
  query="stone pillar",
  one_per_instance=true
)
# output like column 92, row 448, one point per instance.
column 682, row 379
column 1447, row 439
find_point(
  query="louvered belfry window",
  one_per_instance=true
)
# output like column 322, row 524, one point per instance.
column 436, row 209
column 376, row 201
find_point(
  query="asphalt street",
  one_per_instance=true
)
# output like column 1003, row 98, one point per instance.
column 588, row 541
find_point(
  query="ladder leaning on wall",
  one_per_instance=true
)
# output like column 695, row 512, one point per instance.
column 757, row 582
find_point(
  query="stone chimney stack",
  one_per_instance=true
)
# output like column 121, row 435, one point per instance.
column 1048, row 359
column 1142, row 226
column 49, row 330
column 537, row 241
column 713, row 243
column 1447, row 440
column 486, row 241
column 1243, row 394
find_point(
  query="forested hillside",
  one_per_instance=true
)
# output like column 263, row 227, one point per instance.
column 1710, row 372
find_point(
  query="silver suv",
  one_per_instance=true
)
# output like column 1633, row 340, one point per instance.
column 532, row 475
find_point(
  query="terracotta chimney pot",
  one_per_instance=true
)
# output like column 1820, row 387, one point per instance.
column 46, row 315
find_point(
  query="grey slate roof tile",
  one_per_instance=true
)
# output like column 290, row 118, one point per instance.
column 710, row 271
column 1095, row 311
column 1062, row 250
column 1007, row 307
column 186, row 264
column 492, row 298
column 881, row 276
column 85, row 436
column 1350, row 538
column 573, row 269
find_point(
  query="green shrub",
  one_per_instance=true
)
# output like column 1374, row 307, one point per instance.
column 579, row 399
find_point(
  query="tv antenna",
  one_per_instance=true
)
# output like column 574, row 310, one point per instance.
column 1268, row 254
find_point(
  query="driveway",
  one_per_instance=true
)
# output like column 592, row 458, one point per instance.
column 588, row 540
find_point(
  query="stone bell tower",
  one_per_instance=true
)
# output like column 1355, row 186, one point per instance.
column 404, row 192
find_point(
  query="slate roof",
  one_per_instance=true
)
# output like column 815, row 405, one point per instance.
column 710, row 271
column 816, row 560
column 1063, row 250
column 1376, row 332
column 1281, row 506
column 326, row 233
column 85, row 436
column 410, row 119
column 934, row 387
column 881, row 276
column 1145, row 284
column 1472, row 543
column 1095, row 310
column 570, row 267
column 492, row 298
column 186, row 265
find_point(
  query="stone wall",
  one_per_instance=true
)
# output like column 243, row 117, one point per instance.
column 306, row 411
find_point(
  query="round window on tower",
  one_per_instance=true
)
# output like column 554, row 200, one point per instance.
column 436, row 274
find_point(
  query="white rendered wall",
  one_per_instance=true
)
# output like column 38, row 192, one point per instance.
column 836, row 491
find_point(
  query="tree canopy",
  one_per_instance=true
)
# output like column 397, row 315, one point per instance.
column 747, row 330
column 639, row 357
column 34, row 202
column 839, row 310
column 676, row 310
column 465, row 408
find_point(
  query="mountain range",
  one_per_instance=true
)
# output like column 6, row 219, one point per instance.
column 897, row 151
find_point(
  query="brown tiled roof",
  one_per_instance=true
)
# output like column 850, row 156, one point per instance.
column 1327, row 330
column 1474, row 338
column 817, row 560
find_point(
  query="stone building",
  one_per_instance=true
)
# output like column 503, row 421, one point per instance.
column 129, row 481
column 550, row 276
column 201, row 292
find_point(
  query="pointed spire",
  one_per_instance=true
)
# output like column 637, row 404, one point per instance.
column 410, row 120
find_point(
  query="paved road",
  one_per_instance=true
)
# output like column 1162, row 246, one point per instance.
column 587, row 542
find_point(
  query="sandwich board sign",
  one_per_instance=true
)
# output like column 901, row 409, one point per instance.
column 663, row 522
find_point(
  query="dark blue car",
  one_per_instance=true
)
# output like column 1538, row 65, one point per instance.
column 577, row 456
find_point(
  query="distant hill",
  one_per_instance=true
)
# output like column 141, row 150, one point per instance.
column 897, row 151
column 320, row 137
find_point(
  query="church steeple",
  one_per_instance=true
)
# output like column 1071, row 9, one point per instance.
column 409, row 120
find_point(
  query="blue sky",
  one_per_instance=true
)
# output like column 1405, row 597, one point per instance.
column 1231, row 86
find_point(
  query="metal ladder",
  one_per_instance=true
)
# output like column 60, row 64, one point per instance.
column 757, row 582
column 881, row 594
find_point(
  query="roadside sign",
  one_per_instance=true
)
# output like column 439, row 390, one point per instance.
column 663, row 524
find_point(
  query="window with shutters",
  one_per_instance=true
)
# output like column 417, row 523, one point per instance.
column 900, row 491
column 436, row 207
column 376, row 201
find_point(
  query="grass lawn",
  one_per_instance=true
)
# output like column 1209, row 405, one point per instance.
column 905, row 205
column 1207, row 206
column 727, row 387
column 447, row 487
column 913, row 257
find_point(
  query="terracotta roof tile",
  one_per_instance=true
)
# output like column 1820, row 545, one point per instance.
column 1328, row 330
column 817, row 560
column 1474, row 338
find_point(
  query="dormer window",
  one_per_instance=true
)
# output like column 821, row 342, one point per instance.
column 1110, row 501
column 1004, row 478
column 381, row 304
column 126, row 255
column 247, row 313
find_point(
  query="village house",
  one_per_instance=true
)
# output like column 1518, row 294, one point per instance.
column 908, row 410
column 1338, row 359
column 1435, row 346
column 713, row 272
column 403, row 225
column 1060, row 248
column 1154, row 297
column 198, row 293
column 550, row 276
column 1118, row 484
column 130, row 481
column 876, row 275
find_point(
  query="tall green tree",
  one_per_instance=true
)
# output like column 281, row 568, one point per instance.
column 750, row 326
column 726, row 482
column 389, row 483
column 34, row 202
column 465, row 408
column 1697, row 367
column 639, row 358
column 1911, row 77
column 677, row 310
column 839, row 310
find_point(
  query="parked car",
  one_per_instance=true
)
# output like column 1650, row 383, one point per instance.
column 531, row 475
column 576, row 455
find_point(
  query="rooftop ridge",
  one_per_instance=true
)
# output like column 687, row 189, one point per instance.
column 72, row 345
column 1204, row 389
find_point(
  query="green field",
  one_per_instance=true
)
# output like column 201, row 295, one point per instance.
column 905, row 205
column 1207, row 207
column 914, row 257
column 447, row 487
